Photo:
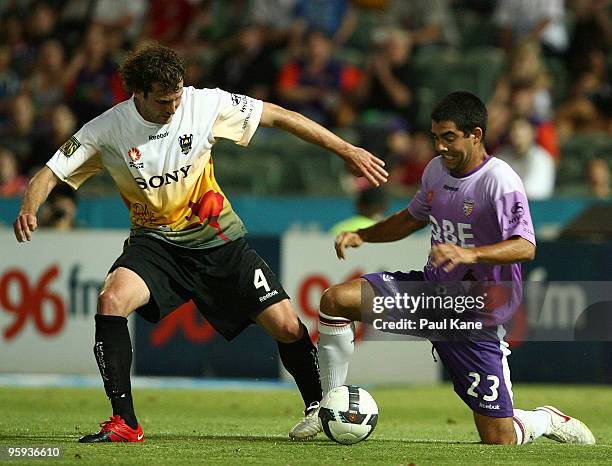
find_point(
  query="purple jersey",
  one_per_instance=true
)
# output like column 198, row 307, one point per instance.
column 485, row 206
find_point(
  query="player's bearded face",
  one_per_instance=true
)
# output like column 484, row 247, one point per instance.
column 453, row 145
column 158, row 106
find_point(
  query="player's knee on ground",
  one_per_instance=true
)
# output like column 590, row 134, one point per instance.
column 495, row 431
column 498, row 438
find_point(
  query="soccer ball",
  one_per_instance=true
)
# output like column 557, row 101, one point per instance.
column 348, row 414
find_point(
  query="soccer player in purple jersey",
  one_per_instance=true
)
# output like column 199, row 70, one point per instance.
column 481, row 230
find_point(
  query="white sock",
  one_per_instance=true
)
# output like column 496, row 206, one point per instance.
column 336, row 345
column 529, row 425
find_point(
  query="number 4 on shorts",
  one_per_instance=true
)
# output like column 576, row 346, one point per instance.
column 259, row 280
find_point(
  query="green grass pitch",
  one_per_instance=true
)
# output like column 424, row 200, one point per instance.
column 420, row 425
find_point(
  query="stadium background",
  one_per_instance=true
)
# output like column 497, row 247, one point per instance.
column 58, row 62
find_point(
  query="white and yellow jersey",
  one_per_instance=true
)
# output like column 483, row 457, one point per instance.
column 165, row 173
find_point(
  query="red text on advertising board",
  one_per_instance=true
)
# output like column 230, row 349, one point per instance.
column 35, row 302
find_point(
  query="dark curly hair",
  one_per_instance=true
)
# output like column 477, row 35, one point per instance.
column 152, row 64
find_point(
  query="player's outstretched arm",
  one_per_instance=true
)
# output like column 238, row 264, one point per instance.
column 38, row 190
column 393, row 228
column 359, row 161
column 510, row 251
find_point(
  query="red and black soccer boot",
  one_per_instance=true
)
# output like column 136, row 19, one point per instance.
column 115, row 430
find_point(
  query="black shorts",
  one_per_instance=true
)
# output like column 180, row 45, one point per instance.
column 229, row 284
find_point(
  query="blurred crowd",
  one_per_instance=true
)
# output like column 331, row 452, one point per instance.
column 373, row 68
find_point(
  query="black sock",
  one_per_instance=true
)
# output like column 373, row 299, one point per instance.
column 301, row 360
column 113, row 352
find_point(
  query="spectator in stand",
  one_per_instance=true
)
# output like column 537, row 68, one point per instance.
column 9, row 81
column 388, row 83
column 336, row 19
column 167, row 21
column 248, row 67
column 12, row 34
column 11, row 182
column 527, row 68
column 125, row 19
column 523, row 104
column 542, row 21
column 532, row 162
column 94, row 85
column 407, row 157
column 212, row 26
column 591, row 34
column 276, row 17
column 62, row 127
column 19, row 132
column 59, row 212
column 47, row 81
column 589, row 107
column 317, row 84
column 370, row 206
column 40, row 27
column 598, row 176
column 429, row 22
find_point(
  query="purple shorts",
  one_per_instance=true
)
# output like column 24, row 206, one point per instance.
column 479, row 369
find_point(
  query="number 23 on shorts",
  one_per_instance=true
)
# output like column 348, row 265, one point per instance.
column 493, row 387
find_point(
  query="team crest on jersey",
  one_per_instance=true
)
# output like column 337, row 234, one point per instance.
column 185, row 141
column 468, row 206
column 134, row 155
column 70, row 146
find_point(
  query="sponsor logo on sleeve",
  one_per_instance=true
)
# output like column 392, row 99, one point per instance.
column 517, row 209
column 70, row 146
column 246, row 106
column 236, row 99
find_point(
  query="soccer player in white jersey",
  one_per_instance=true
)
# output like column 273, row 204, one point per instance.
column 481, row 230
column 186, row 242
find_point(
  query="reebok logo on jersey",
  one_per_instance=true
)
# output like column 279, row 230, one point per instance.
column 70, row 146
column 268, row 296
column 153, row 137
column 488, row 405
column 158, row 181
